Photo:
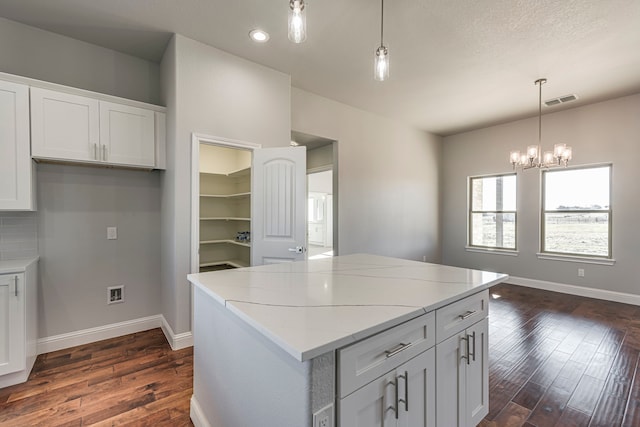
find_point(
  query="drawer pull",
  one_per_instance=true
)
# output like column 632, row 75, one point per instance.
column 467, row 314
column 397, row 349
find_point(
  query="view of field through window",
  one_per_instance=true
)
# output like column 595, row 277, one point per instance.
column 577, row 211
column 493, row 212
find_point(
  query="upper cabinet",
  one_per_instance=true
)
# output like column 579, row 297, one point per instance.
column 16, row 169
column 68, row 127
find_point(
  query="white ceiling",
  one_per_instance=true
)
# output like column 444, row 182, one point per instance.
column 456, row 65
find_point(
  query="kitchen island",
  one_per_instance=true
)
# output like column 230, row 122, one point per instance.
column 351, row 339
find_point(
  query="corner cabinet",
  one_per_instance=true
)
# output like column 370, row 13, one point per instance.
column 18, row 323
column 75, row 128
column 225, row 219
column 462, row 380
column 17, row 189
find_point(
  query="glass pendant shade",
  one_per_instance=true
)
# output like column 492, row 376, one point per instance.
column 532, row 152
column 297, row 21
column 382, row 64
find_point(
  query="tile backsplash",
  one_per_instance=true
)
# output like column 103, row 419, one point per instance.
column 18, row 235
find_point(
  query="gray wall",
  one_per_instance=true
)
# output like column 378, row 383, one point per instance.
column 76, row 204
column 320, row 157
column 18, row 235
column 210, row 92
column 388, row 178
column 43, row 55
column 602, row 132
column 77, row 263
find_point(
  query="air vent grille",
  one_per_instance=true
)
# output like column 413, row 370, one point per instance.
column 560, row 100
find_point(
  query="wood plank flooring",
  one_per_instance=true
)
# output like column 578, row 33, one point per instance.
column 561, row 360
column 555, row 360
column 134, row 380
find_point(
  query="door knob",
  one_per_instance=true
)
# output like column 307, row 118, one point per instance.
column 297, row 249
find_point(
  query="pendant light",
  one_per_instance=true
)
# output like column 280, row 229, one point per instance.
column 381, row 63
column 533, row 157
column 297, row 21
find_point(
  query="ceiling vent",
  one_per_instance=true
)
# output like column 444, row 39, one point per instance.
column 560, row 100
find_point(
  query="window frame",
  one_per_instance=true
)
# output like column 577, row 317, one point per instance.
column 470, row 212
column 572, row 255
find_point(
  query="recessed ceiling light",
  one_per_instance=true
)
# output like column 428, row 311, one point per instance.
column 259, row 36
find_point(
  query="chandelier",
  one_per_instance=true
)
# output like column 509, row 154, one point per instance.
column 534, row 157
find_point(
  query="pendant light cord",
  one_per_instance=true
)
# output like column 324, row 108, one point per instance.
column 540, row 112
column 382, row 23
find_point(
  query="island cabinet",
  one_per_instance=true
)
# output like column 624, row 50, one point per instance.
column 462, row 378
column 389, row 379
column 74, row 128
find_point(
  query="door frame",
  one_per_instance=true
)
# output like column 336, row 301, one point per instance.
column 196, row 140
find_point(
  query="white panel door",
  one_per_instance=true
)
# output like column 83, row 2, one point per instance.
column 64, row 126
column 278, row 201
column 12, row 326
column 450, row 382
column 16, row 183
column 477, row 375
column 371, row 406
column 126, row 135
column 419, row 406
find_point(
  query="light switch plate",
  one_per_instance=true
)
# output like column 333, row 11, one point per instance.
column 112, row 233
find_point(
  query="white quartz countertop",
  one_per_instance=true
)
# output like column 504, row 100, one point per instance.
column 16, row 265
column 311, row 307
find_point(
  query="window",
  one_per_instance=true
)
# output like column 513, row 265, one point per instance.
column 492, row 211
column 576, row 211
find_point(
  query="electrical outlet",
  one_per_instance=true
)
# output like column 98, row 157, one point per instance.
column 324, row 417
column 581, row 272
column 115, row 294
column 424, row 258
column 112, row 233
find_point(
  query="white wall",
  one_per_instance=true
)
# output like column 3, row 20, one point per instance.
column 603, row 132
column 211, row 92
column 39, row 54
column 75, row 204
column 388, row 178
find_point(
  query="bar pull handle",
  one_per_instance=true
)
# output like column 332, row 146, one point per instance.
column 397, row 349
column 467, row 314
column 95, row 151
column 104, row 153
column 15, row 285
column 405, row 377
column 395, row 383
column 473, row 355
column 466, row 340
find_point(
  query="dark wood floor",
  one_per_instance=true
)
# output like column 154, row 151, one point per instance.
column 562, row 360
column 134, row 380
column 555, row 360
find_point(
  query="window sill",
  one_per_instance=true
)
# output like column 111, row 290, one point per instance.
column 507, row 252
column 576, row 258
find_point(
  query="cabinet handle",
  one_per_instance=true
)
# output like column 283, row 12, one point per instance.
column 467, row 314
column 104, row 153
column 397, row 400
column 405, row 377
column 466, row 340
column 397, row 349
column 15, row 284
column 474, row 345
column 95, row 151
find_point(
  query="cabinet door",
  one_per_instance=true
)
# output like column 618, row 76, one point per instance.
column 371, row 406
column 64, row 126
column 126, row 135
column 477, row 375
column 419, row 408
column 16, row 170
column 12, row 323
column 450, row 382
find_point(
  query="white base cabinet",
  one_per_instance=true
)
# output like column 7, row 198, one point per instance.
column 17, row 191
column 18, row 323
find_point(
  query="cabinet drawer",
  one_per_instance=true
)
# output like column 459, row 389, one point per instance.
column 368, row 359
column 459, row 315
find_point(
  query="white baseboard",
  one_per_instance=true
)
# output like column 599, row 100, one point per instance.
column 577, row 290
column 196, row 414
column 86, row 336
column 176, row 341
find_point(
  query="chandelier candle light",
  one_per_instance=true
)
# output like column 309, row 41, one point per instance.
column 381, row 72
column 297, row 21
column 560, row 155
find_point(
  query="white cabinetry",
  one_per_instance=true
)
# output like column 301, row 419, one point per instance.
column 18, row 313
column 16, row 169
column 462, row 380
column 69, row 127
column 389, row 379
